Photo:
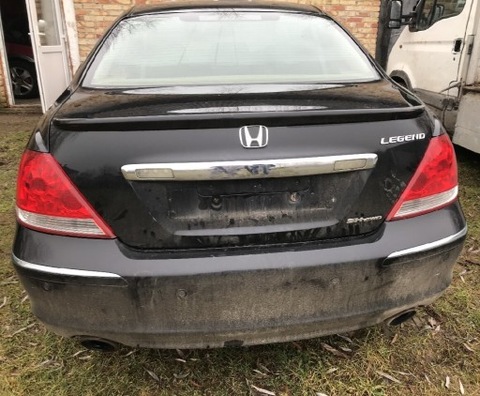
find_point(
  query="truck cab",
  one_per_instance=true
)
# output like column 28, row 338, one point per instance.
column 437, row 56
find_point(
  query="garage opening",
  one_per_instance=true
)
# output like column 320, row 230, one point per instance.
column 21, row 77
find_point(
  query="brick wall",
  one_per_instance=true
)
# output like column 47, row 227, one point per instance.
column 95, row 16
column 358, row 16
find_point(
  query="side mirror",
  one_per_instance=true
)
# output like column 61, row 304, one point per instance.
column 396, row 12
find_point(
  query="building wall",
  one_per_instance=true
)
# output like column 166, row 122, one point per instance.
column 95, row 16
column 3, row 92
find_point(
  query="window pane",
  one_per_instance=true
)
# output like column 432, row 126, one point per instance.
column 227, row 48
column 435, row 10
column 47, row 23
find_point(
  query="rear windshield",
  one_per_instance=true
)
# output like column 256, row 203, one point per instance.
column 227, row 47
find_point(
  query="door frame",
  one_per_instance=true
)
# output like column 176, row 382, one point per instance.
column 67, row 10
column 5, row 68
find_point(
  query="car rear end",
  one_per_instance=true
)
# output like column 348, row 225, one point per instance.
column 224, row 193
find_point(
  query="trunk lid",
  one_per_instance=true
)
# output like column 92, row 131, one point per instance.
column 333, row 167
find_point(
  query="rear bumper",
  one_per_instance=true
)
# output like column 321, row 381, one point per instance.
column 100, row 288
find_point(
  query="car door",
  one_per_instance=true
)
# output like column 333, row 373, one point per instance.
column 431, row 51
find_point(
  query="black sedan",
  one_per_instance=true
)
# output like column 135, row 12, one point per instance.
column 226, row 174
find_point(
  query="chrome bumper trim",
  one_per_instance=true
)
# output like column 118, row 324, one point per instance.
column 63, row 271
column 259, row 169
column 429, row 246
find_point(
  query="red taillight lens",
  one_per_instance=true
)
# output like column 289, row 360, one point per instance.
column 48, row 201
column 434, row 184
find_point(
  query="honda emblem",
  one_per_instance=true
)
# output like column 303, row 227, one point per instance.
column 253, row 136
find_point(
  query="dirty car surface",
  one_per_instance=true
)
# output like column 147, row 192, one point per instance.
column 221, row 174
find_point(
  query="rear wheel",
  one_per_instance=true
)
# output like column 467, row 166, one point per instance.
column 24, row 79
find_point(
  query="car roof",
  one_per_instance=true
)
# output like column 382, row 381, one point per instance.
column 174, row 5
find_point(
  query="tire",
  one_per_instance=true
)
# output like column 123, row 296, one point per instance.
column 24, row 79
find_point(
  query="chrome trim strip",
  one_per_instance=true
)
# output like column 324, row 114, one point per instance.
column 259, row 169
column 63, row 271
column 429, row 246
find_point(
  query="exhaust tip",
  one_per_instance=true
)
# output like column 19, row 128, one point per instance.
column 98, row 344
column 401, row 317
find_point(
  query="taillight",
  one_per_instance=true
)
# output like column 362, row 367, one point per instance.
column 48, row 201
column 435, row 183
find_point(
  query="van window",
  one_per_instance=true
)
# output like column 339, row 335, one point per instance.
column 434, row 10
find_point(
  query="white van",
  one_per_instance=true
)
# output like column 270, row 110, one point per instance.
column 438, row 57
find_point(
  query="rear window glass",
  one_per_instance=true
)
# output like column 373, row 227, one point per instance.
column 227, row 47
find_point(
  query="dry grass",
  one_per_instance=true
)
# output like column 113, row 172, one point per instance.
column 415, row 359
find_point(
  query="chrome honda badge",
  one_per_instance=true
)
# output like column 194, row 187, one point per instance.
column 253, row 136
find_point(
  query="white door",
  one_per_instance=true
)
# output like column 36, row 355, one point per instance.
column 431, row 55
column 49, row 47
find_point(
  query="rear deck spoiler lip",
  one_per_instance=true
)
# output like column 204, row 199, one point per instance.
column 192, row 121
